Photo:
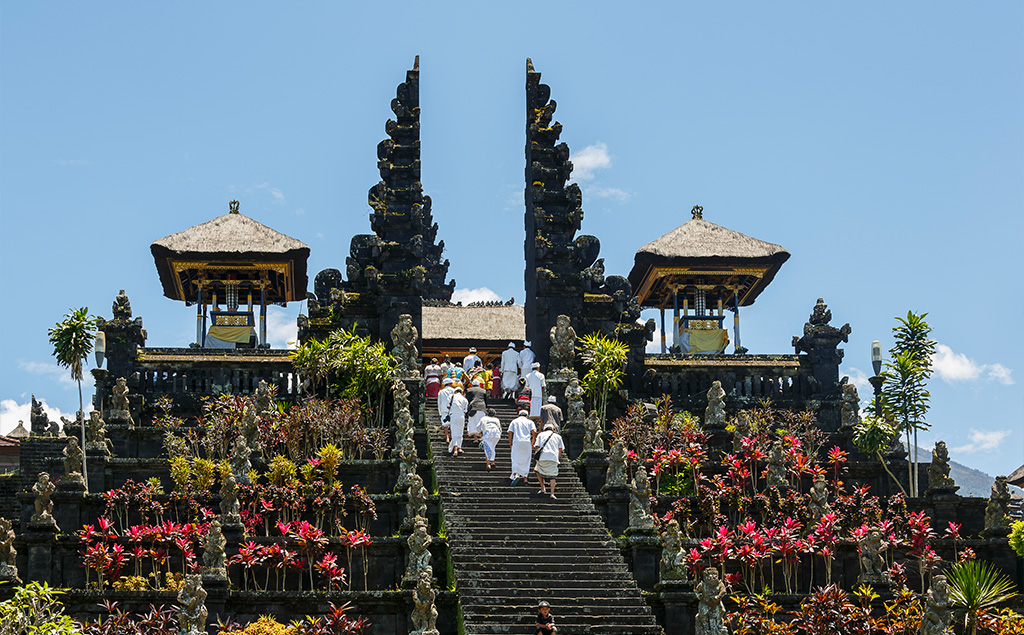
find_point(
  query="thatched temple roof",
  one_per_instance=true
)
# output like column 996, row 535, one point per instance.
column 701, row 246
column 232, row 243
column 482, row 324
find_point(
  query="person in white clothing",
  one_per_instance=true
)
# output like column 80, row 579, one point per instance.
column 526, row 358
column 550, row 445
column 457, row 412
column 490, row 428
column 535, row 382
column 432, row 378
column 521, row 434
column 469, row 361
column 509, row 371
column 444, row 401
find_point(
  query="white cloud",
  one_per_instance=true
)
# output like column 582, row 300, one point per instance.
column 300, row 211
column 610, row 192
column 859, row 379
column 654, row 346
column 11, row 412
column 483, row 294
column 590, row 158
column 51, row 369
column 982, row 441
column 953, row 367
column 282, row 329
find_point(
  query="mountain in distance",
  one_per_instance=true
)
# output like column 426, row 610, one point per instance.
column 972, row 482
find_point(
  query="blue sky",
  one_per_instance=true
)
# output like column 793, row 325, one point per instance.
column 882, row 145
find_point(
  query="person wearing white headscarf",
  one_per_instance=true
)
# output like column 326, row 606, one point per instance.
column 457, row 411
column 444, row 402
column 490, row 428
column 551, row 413
column 550, row 445
column 521, row 434
column 477, row 397
column 469, row 361
column 509, row 370
column 526, row 358
column 535, row 382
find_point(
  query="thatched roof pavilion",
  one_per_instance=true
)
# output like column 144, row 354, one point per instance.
column 705, row 267
column 452, row 330
column 231, row 258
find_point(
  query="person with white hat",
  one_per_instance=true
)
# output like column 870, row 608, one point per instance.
column 444, row 402
column 526, row 358
column 509, row 371
column 550, row 445
column 469, row 361
column 457, row 412
column 535, row 382
column 551, row 413
column 521, row 434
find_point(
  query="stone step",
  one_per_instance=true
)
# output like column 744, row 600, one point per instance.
column 506, row 578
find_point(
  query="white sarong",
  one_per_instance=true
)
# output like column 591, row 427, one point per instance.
column 473, row 426
column 489, row 443
column 535, row 405
column 457, row 426
column 521, row 455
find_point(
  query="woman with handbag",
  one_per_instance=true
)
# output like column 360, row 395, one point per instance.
column 549, row 448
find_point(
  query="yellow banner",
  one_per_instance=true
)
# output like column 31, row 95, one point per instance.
column 237, row 334
column 707, row 341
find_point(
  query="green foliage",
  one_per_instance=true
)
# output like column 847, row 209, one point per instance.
column 181, row 474
column 975, row 585
column 330, row 458
column 205, row 474
column 34, row 609
column 1017, row 537
column 873, row 435
column 606, row 358
column 265, row 625
column 72, row 340
column 283, row 473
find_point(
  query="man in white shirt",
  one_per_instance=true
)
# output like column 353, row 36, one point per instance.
column 457, row 411
column 444, row 400
column 535, row 382
column 469, row 361
column 550, row 445
column 509, row 371
column 521, row 434
column 526, row 358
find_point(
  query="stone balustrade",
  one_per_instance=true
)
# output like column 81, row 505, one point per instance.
column 200, row 372
column 747, row 379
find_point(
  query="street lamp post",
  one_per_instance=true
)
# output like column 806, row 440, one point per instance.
column 876, row 381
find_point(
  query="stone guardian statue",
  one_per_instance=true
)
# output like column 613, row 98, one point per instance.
column 43, row 489
column 8, row 554
column 640, row 502
column 592, row 441
column 615, row 476
column 404, row 337
column 563, row 346
column 710, row 611
column 714, row 414
column 997, row 519
column 424, row 615
column 72, row 464
column 214, row 561
column 192, row 615
column 935, row 620
column 672, row 567
column 419, row 552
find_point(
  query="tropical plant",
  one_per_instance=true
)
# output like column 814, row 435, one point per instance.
column 974, row 586
column 1017, row 537
column 904, row 393
column 872, row 435
column 72, row 340
column 35, row 609
column 606, row 358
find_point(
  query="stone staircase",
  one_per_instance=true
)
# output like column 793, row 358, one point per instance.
column 511, row 548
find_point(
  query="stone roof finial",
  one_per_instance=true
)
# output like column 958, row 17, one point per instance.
column 698, row 212
column 233, row 207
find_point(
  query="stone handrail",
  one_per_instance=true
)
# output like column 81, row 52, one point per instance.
column 199, row 372
column 747, row 379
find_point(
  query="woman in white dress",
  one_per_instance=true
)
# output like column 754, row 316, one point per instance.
column 521, row 433
column 490, row 429
column 458, row 409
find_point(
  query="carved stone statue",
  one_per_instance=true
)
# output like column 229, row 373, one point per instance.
column 997, row 521
column 672, row 567
column 251, row 430
column 818, row 504
column 96, row 434
column 43, row 489
column 39, row 423
column 192, row 615
column 8, row 554
column 562, row 353
column 574, row 397
column 935, row 620
column 850, row 413
column 407, row 462
column 417, row 503
column 122, row 307
column 939, row 480
column 872, row 558
column 263, row 399
column 710, row 611
column 740, row 430
column 592, row 441
column 229, row 500
column 424, row 615
column 404, row 337
column 640, row 502
column 778, row 474
column 214, row 561
column 72, row 463
column 240, row 464
column 714, row 414
column 121, row 412
column 615, row 476
column 419, row 553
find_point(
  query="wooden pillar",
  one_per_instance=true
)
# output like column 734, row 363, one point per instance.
column 736, row 322
column 263, row 315
column 199, row 316
column 675, row 318
column 664, row 347
column 202, row 342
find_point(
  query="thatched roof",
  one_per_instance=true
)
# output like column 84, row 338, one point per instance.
column 502, row 324
column 1017, row 478
column 699, row 244
column 231, row 239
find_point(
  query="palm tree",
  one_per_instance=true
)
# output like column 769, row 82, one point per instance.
column 974, row 586
column 72, row 340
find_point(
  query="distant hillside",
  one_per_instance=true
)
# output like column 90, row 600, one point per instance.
column 972, row 482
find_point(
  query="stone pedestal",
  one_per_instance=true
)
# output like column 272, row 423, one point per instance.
column 555, row 385
column 617, row 503
column 67, row 508
column 573, row 439
column 644, row 556
column 96, row 459
column 594, row 466
column 679, row 606
column 37, row 544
